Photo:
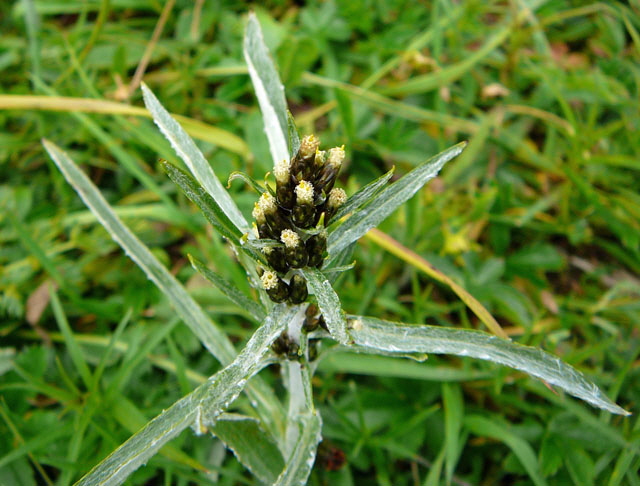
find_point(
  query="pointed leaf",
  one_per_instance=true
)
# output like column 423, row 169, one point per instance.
column 210, row 209
column 298, row 467
column 189, row 152
column 294, row 137
column 397, row 337
column 228, row 289
column 249, row 180
column 268, row 88
column 329, row 304
column 363, row 196
column 190, row 312
column 251, row 445
column 388, row 200
column 198, row 409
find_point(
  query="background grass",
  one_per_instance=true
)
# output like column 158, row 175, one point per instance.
column 538, row 219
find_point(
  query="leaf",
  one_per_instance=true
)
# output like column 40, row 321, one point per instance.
column 364, row 195
column 329, row 304
column 401, row 338
column 249, row 180
column 486, row 427
column 6, row 359
column 190, row 312
column 294, row 137
column 298, row 467
column 188, row 151
column 210, row 209
column 268, row 88
column 251, row 445
column 388, row 200
column 199, row 408
column 228, row 289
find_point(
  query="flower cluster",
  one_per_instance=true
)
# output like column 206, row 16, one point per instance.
column 295, row 216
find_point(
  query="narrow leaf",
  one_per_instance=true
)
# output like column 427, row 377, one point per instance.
column 196, row 193
column 388, row 200
column 396, row 337
column 249, row 180
column 199, row 408
column 251, row 446
column 294, row 137
column 364, row 195
column 298, row 467
column 188, row 151
column 329, row 304
column 268, row 88
column 228, row 289
column 190, row 312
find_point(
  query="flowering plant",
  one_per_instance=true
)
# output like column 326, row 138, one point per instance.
column 304, row 233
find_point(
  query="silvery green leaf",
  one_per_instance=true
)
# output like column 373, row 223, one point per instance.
column 388, row 200
column 268, row 88
column 228, row 289
column 188, row 151
column 340, row 269
column 363, row 196
column 396, row 337
column 251, row 445
column 198, row 409
column 294, row 137
column 191, row 313
column 298, row 466
column 329, row 304
column 201, row 198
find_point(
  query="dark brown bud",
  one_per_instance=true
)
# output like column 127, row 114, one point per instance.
column 298, row 289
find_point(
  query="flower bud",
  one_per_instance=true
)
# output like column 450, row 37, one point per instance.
column 276, row 259
column 277, row 289
column 302, row 164
column 316, row 246
column 337, row 197
column 330, row 171
column 298, row 293
column 284, row 186
column 303, row 211
column 294, row 251
column 285, row 346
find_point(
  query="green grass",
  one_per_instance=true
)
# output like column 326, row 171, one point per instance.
column 538, row 220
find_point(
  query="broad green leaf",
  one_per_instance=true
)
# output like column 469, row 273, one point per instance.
column 251, row 445
column 187, row 150
column 401, row 338
column 388, row 200
column 489, row 428
column 298, row 467
column 191, row 313
column 268, row 88
column 198, row 409
column 210, row 209
column 329, row 304
column 364, row 195
column 228, row 289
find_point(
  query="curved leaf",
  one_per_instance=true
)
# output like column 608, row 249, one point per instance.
column 329, row 304
column 401, row 338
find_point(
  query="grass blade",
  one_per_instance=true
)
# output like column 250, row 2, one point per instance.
column 237, row 297
column 329, row 304
column 401, row 338
column 298, row 467
column 186, row 148
column 190, row 312
column 268, row 88
column 198, row 409
column 388, row 200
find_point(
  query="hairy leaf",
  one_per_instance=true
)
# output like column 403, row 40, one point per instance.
column 397, row 337
column 364, row 195
column 388, row 200
column 298, row 467
column 187, row 150
column 329, row 304
column 268, row 88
